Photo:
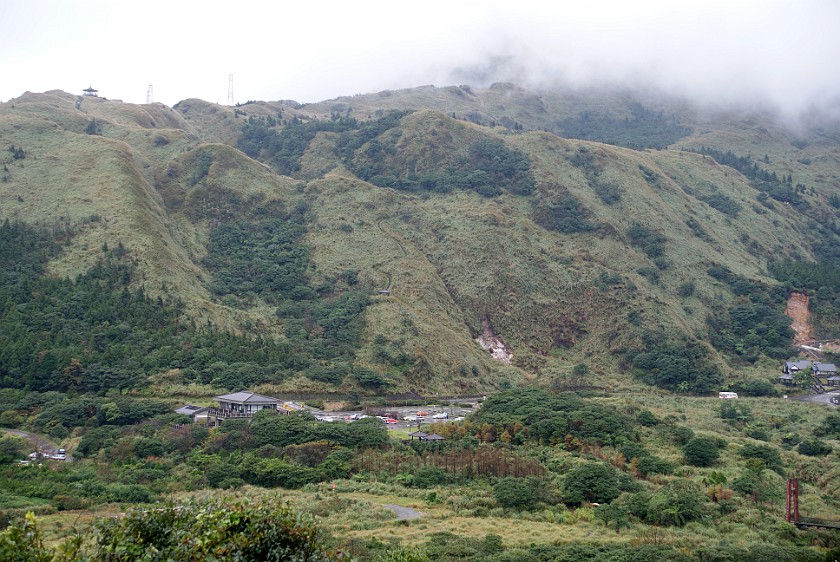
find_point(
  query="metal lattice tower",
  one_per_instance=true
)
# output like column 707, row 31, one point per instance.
column 150, row 94
column 230, row 89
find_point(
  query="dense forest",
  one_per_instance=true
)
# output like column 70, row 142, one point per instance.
column 645, row 128
column 98, row 333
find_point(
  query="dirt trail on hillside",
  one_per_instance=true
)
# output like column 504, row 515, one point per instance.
column 797, row 310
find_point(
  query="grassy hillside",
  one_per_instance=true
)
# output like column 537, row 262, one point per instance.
column 462, row 206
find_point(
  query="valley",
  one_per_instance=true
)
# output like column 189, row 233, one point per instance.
column 595, row 265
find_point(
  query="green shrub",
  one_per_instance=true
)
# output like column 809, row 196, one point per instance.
column 701, row 451
column 647, row 418
column 759, row 388
column 758, row 432
column 632, row 450
column 679, row 435
column 767, row 454
column 65, row 503
column 128, row 493
column 591, row 482
column 428, row 477
column 211, row 529
column 651, row 464
column 22, row 542
column 830, row 427
column 636, row 503
column 814, row 448
column 676, row 503
column 145, row 447
column 12, row 449
column 277, row 472
column 515, row 493
column 648, row 240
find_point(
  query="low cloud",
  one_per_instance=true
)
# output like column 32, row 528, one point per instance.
column 758, row 52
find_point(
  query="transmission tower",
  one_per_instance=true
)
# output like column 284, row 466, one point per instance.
column 230, row 89
column 150, row 96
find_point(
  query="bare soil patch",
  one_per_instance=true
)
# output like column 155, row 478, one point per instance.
column 797, row 310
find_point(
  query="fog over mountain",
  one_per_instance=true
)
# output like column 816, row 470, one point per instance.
column 779, row 54
column 771, row 54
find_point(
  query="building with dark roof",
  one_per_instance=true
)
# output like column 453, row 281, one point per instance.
column 243, row 404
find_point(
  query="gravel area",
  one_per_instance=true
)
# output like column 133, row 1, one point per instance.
column 403, row 513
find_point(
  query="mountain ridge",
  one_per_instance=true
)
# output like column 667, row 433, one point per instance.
column 579, row 257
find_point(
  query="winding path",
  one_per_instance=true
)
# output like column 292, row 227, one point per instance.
column 399, row 243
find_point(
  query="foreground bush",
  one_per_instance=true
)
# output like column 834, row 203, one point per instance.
column 200, row 530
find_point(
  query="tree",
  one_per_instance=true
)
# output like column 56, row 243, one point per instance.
column 767, row 454
column 757, row 483
column 676, row 503
column 701, row 451
column 579, row 373
column 814, row 448
column 515, row 493
column 612, row 512
column 591, row 482
column 11, row 449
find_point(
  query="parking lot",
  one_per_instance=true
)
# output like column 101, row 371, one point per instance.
column 402, row 416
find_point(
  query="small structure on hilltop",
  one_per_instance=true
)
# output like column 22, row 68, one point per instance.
column 91, row 92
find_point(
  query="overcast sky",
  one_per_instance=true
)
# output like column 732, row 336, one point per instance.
column 783, row 52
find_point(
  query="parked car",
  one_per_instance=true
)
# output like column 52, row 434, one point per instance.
column 391, row 420
column 441, row 416
column 410, row 418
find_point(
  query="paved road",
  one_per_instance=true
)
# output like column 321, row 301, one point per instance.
column 403, row 513
column 39, row 443
column 818, row 398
